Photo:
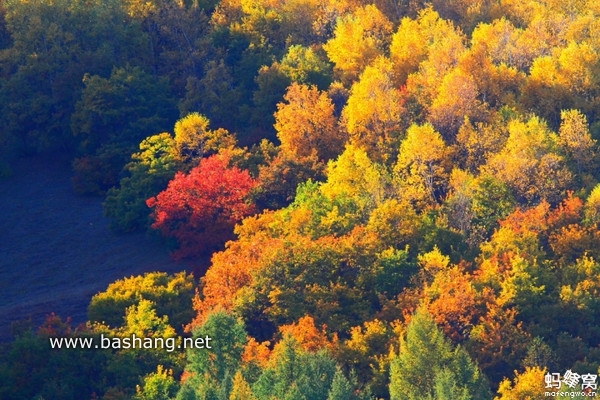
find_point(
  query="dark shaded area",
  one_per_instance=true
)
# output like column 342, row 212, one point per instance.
column 56, row 249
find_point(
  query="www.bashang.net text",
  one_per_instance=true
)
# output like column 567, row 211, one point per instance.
column 130, row 342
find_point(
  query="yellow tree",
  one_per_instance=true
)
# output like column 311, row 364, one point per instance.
column 423, row 165
column 306, row 125
column 411, row 43
column 565, row 79
column 457, row 98
column 527, row 385
column 358, row 39
column 574, row 136
column 592, row 207
column 529, row 164
column 443, row 51
column 475, row 143
column 355, row 176
column 240, row 389
column 501, row 42
column 194, row 139
column 497, row 63
column 374, row 111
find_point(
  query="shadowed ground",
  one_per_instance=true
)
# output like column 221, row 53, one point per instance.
column 56, row 250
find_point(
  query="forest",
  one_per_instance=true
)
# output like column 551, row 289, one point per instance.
column 399, row 199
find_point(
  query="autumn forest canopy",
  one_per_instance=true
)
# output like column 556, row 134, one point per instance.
column 399, row 199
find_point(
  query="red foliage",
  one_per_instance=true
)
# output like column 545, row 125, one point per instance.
column 200, row 209
column 54, row 326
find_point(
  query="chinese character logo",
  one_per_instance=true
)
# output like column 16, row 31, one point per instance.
column 552, row 380
column 588, row 382
column 571, row 379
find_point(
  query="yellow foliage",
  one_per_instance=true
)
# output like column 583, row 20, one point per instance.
column 240, row 389
column 141, row 320
column 529, row 163
column 354, row 175
column 412, row 41
column 476, row 143
column 583, row 289
column 457, row 98
column 433, row 261
column 574, row 136
column 395, row 222
column 372, row 335
column 358, row 39
column 422, row 167
column 527, row 385
column 373, row 114
column 306, row 125
column 194, row 139
column 592, row 207
column 443, row 54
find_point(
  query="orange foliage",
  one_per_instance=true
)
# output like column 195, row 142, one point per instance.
column 307, row 335
column 230, row 271
column 497, row 338
column 306, row 124
column 530, row 220
column 572, row 241
column 256, row 353
column 569, row 211
column 453, row 303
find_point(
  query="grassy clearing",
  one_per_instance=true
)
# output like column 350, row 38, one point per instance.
column 56, row 250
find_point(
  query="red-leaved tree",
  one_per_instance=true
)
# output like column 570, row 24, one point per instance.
column 200, row 209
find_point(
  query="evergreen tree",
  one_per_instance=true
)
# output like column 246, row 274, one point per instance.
column 212, row 369
column 296, row 374
column 341, row 389
column 428, row 367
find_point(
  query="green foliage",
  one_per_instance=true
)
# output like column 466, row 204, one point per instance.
column 118, row 112
column 340, row 387
column 212, row 370
column 428, row 367
column 125, row 108
column 296, row 374
column 31, row 369
column 172, row 295
column 309, row 277
column 458, row 149
column 303, row 65
column 53, row 44
column 392, row 271
column 281, row 177
column 149, row 172
column 158, row 385
column 214, row 95
column 271, row 84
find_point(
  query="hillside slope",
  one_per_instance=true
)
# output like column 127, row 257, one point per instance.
column 56, row 250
